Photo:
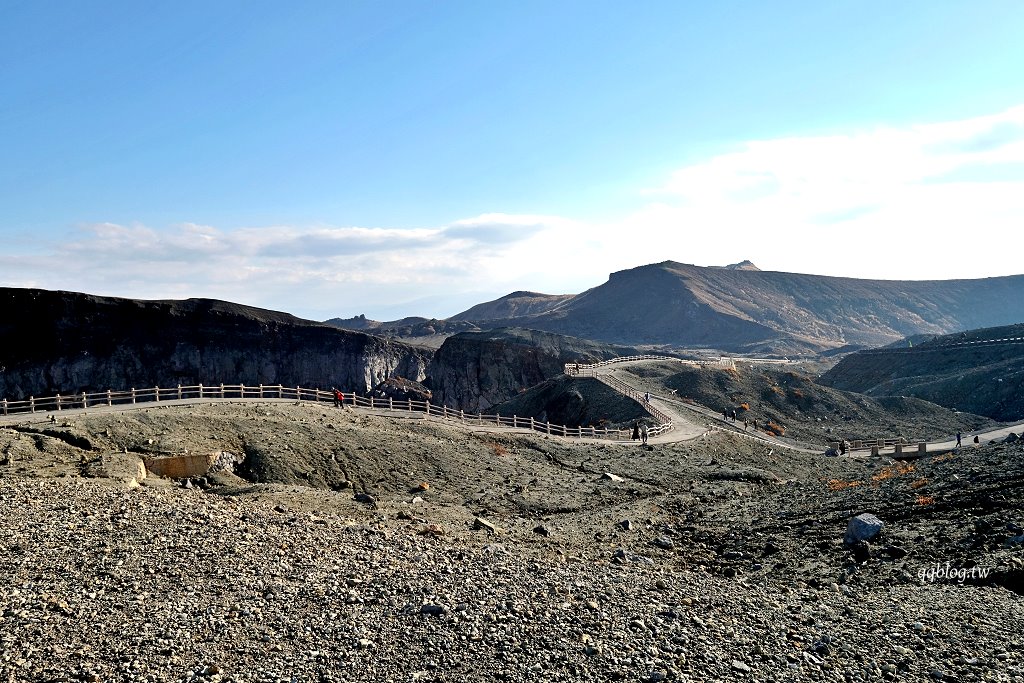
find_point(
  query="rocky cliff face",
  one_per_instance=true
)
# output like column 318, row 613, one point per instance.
column 65, row 342
column 476, row 370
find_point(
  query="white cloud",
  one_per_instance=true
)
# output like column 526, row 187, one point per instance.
column 941, row 200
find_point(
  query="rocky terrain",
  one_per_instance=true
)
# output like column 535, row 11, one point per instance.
column 475, row 370
column 783, row 395
column 354, row 546
column 65, row 342
column 979, row 371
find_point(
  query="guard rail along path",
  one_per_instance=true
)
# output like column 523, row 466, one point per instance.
column 587, row 369
column 278, row 392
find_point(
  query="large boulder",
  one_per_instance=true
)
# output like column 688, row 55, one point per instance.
column 863, row 527
column 401, row 389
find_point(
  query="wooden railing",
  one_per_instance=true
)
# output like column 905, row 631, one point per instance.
column 280, row 392
column 587, row 369
column 664, row 421
column 156, row 395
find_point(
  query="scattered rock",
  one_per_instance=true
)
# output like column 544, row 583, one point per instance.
column 433, row 610
column 480, row 523
column 366, row 499
column 663, row 542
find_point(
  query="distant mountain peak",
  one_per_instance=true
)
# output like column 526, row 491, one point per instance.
column 742, row 265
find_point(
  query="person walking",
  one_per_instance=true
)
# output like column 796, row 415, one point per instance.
column 958, row 435
column 339, row 398
column 643, row 433
column 636, row 431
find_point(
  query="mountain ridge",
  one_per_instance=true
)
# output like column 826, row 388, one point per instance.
column 740, row 308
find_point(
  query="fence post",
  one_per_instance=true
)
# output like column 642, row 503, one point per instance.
column 156, row 394
column 444, row 410
column 531, row 423
column 85, row 401
column 31, row 404
column 563, row 431
column 58, row 401
column 548, row 427
column 222, row 389
column 200, row 390
column 110, row 399
column 179, row 392
column 133, row 394
column 371, row 401
column 514, row 422
column 5, row 406
column 391, row 403
column 409, row 401
column 462, row 415
column 480, row 418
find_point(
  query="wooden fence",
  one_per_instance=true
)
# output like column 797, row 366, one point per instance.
column 157, row 395
column 588, row 369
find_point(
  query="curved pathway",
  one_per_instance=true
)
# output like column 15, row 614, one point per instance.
column 678, row 420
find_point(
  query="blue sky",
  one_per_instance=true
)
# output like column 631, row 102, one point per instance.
column 398, row 158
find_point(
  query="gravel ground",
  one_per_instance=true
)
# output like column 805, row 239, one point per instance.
column 710, row 560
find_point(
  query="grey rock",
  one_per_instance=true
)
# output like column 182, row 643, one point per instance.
column 365, row 498
column 433, row 610
column 482, row 524
column 863, row 527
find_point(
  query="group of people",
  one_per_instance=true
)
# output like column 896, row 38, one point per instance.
column 730, row 416
column 640, row 431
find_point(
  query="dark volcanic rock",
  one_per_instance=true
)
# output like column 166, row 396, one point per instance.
column 64, row 342
column 401, row 389
column 476, row 370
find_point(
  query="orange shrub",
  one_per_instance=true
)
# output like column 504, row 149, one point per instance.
column 744, row 406
column 895, row 470
column 925, row 500
column 839, row 484
column 918, row 483
column 777, row 430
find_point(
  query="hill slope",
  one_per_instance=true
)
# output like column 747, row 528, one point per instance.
column 981, row 371
column 739, row 308
column 677, row 303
